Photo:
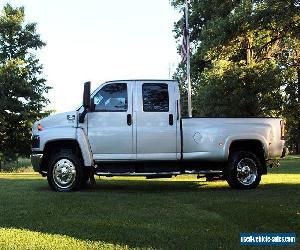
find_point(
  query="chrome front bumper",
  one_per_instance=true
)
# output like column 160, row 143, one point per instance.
column 36, row 160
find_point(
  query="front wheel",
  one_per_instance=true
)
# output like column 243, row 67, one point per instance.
column 65, row 172
column 244, row 170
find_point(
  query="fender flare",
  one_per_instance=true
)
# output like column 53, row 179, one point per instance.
column 85, row 148
column 249, row 137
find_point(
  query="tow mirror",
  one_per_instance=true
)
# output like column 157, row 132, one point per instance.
column 86, row 103
column 87, row 95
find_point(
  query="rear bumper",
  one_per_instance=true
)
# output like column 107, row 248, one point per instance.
column 36, row 160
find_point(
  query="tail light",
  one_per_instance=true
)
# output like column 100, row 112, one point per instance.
column 282, row 129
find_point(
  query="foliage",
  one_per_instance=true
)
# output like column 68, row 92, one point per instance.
column 245, row 59
column 22, row 85
column 230, row 89
column 15, row 165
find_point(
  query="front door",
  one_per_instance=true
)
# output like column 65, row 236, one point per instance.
column 156, row 121
column 110, row 129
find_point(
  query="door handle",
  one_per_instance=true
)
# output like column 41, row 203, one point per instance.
column 171, row 119
column 129, row 119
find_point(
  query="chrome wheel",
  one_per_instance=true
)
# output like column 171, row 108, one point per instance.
column 64, row 173
column 246, row 171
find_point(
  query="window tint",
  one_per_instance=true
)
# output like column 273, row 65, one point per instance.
column 155, row 97
column 112, row 97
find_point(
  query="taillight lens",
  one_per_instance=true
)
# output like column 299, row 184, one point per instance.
column 282, row 129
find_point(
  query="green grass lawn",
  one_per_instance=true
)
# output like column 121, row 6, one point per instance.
column 126, row 213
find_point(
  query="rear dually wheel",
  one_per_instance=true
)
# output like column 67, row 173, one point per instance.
column 244, row 170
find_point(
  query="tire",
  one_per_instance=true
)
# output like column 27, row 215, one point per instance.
column 65, row 173
column 243, row 170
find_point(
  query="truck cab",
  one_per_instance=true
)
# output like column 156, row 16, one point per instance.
column 127, row 119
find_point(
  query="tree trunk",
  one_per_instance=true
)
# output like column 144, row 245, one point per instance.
column 249, row 52
column 297, row 151
column 298, row 124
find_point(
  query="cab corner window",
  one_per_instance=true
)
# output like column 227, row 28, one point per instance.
column 155, row 97
column 112, row 97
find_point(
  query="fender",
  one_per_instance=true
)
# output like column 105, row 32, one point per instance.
column 55, row 134
column 72, row 134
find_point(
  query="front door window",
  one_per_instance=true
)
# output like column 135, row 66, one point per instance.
column 112, row 97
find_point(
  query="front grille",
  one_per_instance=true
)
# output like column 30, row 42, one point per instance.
column 35, row 141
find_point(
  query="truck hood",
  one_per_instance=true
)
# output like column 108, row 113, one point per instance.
column 66, row 119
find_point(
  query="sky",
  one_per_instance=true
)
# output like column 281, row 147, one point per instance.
column 98, row 41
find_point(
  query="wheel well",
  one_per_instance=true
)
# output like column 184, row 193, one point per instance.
column 253, row 146
column 54, row 147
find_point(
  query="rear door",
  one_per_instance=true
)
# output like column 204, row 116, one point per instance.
column 110, row 129
column 156, row 121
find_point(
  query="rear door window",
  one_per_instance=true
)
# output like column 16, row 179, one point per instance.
column 155, row 97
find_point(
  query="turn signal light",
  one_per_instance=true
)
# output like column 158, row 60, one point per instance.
column 40, row 127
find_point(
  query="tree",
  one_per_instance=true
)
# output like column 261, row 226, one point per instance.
column 291, row 63
column 245, row 58
column 22, row 86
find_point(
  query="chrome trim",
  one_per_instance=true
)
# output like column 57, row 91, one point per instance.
column 246, row 171
column 64, row 173
column 36, row 160
column 203, row 172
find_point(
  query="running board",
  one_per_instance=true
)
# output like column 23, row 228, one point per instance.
column 110, row 174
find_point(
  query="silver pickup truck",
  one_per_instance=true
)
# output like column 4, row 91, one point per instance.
column 135, row 128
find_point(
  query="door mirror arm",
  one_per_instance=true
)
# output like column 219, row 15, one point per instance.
column 82, row 116
column 92, row 105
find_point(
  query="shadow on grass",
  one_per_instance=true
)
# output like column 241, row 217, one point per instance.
column 104, row 185
column 140, row 186
column 143, row 213
column 282, row 170
column 147, row 186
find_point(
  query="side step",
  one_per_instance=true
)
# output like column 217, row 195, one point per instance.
column 203, row 172
column 110, row 174
column 159, row 174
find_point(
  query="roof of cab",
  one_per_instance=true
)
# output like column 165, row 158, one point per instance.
column 143, row 80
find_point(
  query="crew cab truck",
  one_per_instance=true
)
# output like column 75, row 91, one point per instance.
column 135, row 128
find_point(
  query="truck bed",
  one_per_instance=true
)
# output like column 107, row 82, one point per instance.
column 210, row 138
